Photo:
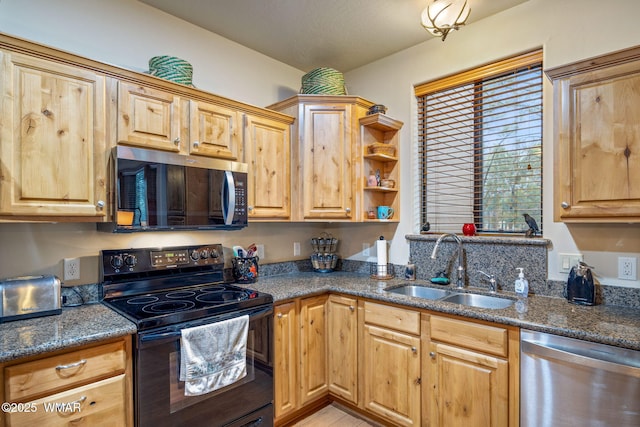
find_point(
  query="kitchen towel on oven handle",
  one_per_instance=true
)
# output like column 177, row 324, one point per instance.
column 213, row 356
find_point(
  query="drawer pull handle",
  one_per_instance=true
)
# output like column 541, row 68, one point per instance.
column 79, row 401
column 71, row 365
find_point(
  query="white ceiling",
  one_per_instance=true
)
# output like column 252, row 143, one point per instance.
column 306, row 34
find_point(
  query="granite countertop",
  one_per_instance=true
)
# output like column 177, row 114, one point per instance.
column 618, row 326
column 75, row 326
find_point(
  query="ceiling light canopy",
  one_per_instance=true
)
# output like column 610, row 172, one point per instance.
column 442, row 16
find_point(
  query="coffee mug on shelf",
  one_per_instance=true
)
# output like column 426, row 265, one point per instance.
column 385, row 212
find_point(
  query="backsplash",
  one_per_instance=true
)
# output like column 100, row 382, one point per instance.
column 498, row 256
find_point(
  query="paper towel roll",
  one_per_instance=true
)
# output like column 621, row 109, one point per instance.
column 381, row 249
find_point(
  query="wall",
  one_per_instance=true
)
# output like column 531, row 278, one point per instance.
column 568, row 31
column 127, row 33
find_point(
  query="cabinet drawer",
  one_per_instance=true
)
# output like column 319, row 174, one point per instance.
column 56, row 373
column 396, row 318
column 97, row 404
column 485, row 338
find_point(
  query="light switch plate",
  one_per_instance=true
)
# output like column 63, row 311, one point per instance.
column 566, row 261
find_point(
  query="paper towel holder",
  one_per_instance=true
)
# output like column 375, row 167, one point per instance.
column 378, row 271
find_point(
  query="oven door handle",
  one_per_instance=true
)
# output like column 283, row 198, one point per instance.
column 156, row 337
column 254, row 314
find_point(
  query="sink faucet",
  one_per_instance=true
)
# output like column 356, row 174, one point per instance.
column 493, row 286
column 460, row 278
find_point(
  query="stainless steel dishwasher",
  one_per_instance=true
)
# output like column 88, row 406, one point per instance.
column 568, row 382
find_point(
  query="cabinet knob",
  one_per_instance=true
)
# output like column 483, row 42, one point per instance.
column 413, row 349
column 564, row 205
column 177, row 141
column 250, row 208
column 348, row 210
column 279, row 315
column 432, row 354
column 196, row 144
column 351, row 308
column 100, row 204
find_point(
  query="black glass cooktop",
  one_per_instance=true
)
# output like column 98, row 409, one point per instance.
column 183, row 304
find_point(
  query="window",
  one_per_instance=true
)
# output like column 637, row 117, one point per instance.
column 480, row 147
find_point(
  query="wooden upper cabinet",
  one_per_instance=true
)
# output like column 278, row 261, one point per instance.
column 325, row 156
column 266, row 150
column 52, row 140
column 214, row 130
column 326, row 159
column 597, row 139
column 149, row 118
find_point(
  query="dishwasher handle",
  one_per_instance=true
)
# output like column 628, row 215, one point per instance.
column 566, row 355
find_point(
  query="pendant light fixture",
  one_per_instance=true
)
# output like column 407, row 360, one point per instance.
column 442, row 16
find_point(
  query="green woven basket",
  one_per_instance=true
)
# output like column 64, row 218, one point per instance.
column 323, row 81
column 171, row 68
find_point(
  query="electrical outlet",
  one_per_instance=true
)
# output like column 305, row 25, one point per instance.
column 260, row 251
column 296, row 248
column 366, row 249
column 627, row 268
column 72, row 269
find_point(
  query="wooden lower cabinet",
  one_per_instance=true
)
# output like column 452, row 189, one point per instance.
column 285, row 366
column 397, row 365
column 88, row 386
column 471, row 373
column 342, row 345
column 391, row 377
column 313, row 349
column 300, row 360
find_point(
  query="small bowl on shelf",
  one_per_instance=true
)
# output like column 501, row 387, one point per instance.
column 387, row 183
column 382, row 148
column 377, row 109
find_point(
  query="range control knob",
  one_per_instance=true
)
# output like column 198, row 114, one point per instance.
column 204, row 254
column 214, row 253
column 195, row 255
column 117, row 262
column 130, row 260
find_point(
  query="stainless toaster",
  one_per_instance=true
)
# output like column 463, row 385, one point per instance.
column 29, row 296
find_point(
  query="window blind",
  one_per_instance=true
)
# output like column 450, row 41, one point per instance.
column 480, row 147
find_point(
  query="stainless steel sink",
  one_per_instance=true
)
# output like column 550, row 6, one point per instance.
column 419, row 291
column 479, row 301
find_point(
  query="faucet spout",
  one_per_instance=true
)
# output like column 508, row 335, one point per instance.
column 460, row 275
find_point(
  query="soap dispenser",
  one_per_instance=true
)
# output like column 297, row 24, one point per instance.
column 521, row 284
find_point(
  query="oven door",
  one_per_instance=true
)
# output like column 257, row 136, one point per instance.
column 160, row 396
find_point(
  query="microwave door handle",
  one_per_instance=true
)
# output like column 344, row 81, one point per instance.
column 229, row 205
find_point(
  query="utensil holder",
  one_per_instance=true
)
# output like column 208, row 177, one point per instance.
column 245, row 270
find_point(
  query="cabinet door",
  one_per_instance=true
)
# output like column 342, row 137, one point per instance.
column 266, row 150
column 285, row 374
column 149, row 118
column 214, row 130
column 468, row 388
column 391, row 375
column 342, row 340
column 52, row 139
column 313, row 349
column 326, row 162
column 597, row 172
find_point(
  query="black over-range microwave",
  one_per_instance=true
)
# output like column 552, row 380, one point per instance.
column 156, row 190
